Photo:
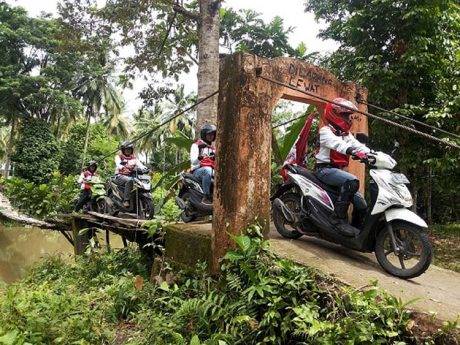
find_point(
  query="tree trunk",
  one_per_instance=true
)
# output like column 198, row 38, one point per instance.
column 415, row 199
column 429, row 216
column 9, row 147
column 85, row 147
column 208, row 64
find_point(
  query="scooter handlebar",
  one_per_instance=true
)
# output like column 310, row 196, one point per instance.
column 368, row 160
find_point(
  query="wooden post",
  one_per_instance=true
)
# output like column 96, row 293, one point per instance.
column 81, row 241
column 242, row 191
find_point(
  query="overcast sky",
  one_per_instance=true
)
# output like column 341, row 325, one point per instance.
column 292, row 12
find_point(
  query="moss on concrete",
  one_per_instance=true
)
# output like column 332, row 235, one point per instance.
column 187, row 244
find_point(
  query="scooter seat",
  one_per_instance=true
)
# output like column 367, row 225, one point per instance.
column 191, row 177
column 312, row 177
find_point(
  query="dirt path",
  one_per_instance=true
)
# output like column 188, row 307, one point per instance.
column 437, row 290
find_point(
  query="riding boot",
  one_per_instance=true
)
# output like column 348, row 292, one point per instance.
column 347, row 191
column 341, row 208
column 358, row 218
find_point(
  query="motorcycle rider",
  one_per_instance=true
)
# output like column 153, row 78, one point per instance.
column 85, row 187
column 202, row 158
column 336, row 144
column 125, row 163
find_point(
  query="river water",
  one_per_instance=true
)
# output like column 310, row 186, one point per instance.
column 22, row 246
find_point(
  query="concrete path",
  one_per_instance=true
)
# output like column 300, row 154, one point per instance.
column 437, row 290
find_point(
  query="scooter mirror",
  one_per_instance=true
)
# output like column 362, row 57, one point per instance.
column 363, row 138
column 395, row 147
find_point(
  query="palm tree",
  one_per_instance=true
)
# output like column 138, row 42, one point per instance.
column 182, row 126
column 96, row 92
column 117, row 124
column 144, row 120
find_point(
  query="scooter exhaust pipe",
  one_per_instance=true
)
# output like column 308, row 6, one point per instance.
column 285, row 211
column 180, row 203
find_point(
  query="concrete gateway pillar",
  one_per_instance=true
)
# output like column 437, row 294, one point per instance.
column 245, row 105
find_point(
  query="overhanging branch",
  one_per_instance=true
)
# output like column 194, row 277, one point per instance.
column 191, row 15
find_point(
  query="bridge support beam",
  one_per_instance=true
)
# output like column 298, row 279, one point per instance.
column 80, row 240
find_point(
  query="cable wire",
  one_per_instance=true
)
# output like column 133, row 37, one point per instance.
column 359, row 100
column 148, row 132
column 409, row 129
column 289, row 121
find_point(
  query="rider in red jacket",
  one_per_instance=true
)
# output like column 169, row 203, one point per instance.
column 202, row 158
column 125, row 163
column 85, row 187
column 336, row 144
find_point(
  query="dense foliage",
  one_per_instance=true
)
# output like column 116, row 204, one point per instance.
column 100, row 144
column 37, row 152
column 34, row 68
column 45, row 199
column 258, row 299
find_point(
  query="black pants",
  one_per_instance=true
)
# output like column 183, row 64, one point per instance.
column 85, row 196
column 127, row 183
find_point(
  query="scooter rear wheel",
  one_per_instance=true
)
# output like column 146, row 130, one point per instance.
column 415, row 254
column 292, row 201
column 148, row 210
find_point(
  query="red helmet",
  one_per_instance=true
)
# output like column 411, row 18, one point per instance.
column 339, row 116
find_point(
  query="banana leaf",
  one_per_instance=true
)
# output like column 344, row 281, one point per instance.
column 293, row 132
column 180, row 140
column 276, row 150
column 168, row 179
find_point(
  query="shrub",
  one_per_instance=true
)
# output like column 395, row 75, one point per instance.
column 163, row 200
column 64, row 303
column 258, row 299
column 45, row 199
column 37, row 151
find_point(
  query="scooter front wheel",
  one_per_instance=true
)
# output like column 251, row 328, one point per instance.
column 413, row 255
column 292, row 201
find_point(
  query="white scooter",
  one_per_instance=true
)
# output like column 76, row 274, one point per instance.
column 305, row 206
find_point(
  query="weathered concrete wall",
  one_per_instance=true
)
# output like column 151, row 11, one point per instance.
column 245, row 104
column 188, row 244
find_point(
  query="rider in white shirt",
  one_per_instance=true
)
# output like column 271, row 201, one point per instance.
column 336, row 144
column 125, row 163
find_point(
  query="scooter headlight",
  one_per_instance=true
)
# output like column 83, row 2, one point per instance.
column 399, row 178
